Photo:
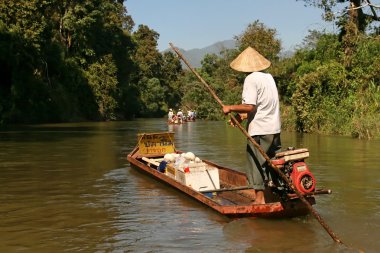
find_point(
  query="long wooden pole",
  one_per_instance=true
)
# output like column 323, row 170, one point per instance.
column 257, row 146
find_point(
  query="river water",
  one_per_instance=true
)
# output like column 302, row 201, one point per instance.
column 69, row 188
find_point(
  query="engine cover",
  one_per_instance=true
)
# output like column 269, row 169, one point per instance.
column 302, row 178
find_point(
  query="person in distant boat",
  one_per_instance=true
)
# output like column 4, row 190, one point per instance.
column 170, row 114
column 180, row 115
column 174, row 119
column 261, row 104
column 190, row 114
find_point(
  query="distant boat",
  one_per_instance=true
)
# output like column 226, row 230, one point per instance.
column 223, row 189
column 189, row 119
column 175, row 121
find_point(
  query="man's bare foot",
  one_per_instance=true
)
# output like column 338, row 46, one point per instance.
column 259, row 198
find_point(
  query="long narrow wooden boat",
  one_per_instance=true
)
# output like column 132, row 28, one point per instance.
column 175, row 122
column 190, row 119
column 233, row 198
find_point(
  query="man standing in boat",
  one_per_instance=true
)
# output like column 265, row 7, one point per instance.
column 261, row 104
column 180, row 115
column 170, row 114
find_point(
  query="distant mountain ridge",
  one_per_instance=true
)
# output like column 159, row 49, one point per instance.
column 195, row 56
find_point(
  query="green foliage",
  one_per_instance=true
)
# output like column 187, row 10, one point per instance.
column 147, row 56
column 365, row 63
column 153, row 97
column 72, row 95
column 320, row 93
column 157, row 76
column 79, row 60
column 316, row 91
column 365, row 119
column 50, row 52
column 102, row 80
column 262, row 38
column 198, row 99
column 171, row 70
column 356, row 13
column 171, row 67
column 216, row 72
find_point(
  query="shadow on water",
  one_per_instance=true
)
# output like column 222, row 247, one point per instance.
column 69, row 187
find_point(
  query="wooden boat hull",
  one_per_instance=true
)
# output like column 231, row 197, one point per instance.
column 232, row 203
column 170, row 122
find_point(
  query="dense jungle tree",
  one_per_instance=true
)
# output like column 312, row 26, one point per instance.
column 103, row 82
column 361, row 12
column 157, row 76
column 262, row 38
column 47, row 46
column 330, row 76
column 353, row 19
column 91, row 30
column 321, row 94
column 147, row 55
column 171, row 76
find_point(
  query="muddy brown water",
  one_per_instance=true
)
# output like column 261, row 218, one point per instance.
column 69, row 188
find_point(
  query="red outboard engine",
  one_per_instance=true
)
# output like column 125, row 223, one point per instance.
column 291, row 163
column 302, row 178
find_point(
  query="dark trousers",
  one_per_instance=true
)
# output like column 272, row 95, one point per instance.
column 258, row 171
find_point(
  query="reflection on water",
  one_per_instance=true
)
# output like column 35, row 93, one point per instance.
column 68, row 187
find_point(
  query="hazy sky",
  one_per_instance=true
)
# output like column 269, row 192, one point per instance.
column 190, row 24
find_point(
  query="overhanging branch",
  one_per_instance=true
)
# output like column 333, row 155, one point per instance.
column 373, row 10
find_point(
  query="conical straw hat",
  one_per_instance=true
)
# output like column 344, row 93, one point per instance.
column 250, row 61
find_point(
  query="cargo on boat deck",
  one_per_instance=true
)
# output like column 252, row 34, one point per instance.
column 200, row 176
column 223, row 189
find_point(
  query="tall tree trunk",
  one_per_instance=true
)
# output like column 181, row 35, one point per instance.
column 356, row 15
column 355, row 24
